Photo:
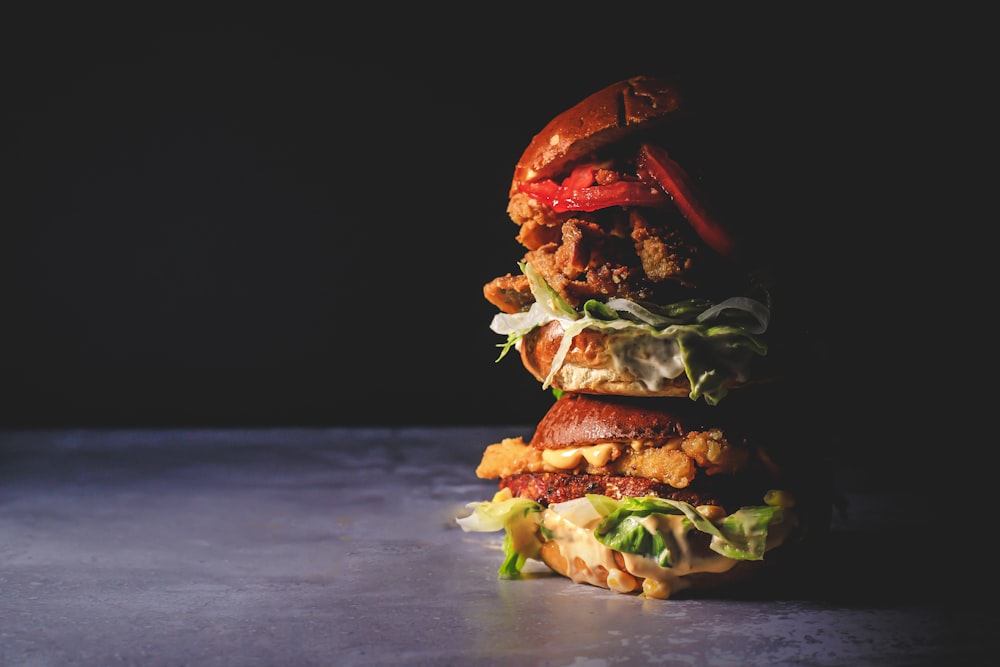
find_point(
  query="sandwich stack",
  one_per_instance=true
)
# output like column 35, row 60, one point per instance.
column 670, row 462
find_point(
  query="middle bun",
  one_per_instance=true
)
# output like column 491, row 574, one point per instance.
column 578, row 419
column 612, row 362
column 590, row 364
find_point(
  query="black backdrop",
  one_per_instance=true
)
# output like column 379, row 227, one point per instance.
column 288, row 220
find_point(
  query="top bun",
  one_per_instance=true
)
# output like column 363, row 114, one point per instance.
column 598, row 120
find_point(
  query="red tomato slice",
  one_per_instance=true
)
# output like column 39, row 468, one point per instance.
column 662, row 181
column 581, row 177
column 672, row 178
column 620, row 193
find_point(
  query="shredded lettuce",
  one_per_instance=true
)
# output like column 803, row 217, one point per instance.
column 716, row 341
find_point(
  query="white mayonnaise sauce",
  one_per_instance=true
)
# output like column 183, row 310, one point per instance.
column 653, row 361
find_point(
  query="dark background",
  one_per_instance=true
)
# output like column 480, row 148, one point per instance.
column 242, row 220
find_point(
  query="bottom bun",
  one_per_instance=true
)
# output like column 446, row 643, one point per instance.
column 573, row 552
column 621, row 581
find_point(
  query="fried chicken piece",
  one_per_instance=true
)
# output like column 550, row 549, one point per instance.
column 637, row 253
column 538, row 226
column 640, row 255
column 663, row 252
column 711, row 451
column 675, row 463
column 590, row 263
column 511, row 294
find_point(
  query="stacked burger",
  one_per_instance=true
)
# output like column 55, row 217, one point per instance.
column 670, row 461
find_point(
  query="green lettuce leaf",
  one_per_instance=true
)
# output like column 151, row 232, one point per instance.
column 519, row 518
column 742, row 535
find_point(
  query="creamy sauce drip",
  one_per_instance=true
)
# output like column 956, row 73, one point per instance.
column 591, row 562
column 569, row 458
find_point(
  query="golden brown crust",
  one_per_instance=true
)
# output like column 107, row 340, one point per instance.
column 598, row 120
column 510, row 293
column 539, row 346
column 552, row 556
column 668, row 465
column 579, row 419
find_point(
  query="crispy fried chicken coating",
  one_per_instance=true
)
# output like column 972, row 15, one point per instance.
column 676, row 462
column 639, row 254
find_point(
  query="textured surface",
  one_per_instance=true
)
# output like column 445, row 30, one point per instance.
column 323, row 547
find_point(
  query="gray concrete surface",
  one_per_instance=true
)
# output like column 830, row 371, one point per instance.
column 339, row 547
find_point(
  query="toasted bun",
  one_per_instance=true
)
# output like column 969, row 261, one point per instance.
column 598, row 120
column 588, row 367
column 579, row 419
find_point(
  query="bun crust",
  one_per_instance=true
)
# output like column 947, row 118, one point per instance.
column 579, row 419
column 588, row 366
column 598, row 120
column 692, row 583
column 552, row 556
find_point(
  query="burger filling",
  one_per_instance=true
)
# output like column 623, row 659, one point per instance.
column 628, row 226
column 630, row 514
column 712, row 343
column 674, row 462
